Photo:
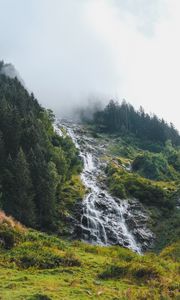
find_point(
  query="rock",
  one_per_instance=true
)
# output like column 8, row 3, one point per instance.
column 131, row 223
column 126, row 243
column 101, row 195
column 101, row 218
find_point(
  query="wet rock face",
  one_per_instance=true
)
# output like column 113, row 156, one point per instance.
column 137, row 219
column 109, row 230
column 101, row 218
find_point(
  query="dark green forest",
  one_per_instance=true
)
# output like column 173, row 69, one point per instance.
column 124, row 119
column 36, row 164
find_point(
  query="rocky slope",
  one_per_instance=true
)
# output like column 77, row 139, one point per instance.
column 101, row 218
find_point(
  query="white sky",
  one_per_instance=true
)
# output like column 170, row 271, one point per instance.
column 69, row 50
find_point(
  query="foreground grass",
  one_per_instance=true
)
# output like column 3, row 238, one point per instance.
column 34, row 265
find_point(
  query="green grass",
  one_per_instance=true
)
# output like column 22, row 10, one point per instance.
column 39, row 266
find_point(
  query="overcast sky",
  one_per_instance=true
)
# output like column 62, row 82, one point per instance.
column 68, row 51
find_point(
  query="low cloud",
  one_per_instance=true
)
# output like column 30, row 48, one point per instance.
column 70, row 51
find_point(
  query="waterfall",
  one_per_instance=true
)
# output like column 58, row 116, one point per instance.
column 102, row 219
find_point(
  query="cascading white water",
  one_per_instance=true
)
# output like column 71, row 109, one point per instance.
column 102, row 219
column 57, row 129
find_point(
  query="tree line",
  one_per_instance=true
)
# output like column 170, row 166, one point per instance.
column 123, row 118
column 35, row 163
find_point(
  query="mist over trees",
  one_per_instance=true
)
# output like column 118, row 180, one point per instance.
column 123, row 118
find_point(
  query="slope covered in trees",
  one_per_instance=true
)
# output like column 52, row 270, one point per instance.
column 35, row 164
column 124, row 119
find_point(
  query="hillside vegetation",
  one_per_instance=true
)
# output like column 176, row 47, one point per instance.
column 143, row 162
column 37, row 266
column 39, row 169
column 124, row 119
column 40, row 186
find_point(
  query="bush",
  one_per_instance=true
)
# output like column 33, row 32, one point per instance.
column 153, row 166
column 145, row 272
column 119, row 191
column 40, row 261
column 172, row 252
column 125, row 254
column 133, row 185
column 136, row 269
column 11, row 231
column 8, row 238
column 42, row 257
column 114, row 272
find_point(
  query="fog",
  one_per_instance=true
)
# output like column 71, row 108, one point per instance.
column 69, row 52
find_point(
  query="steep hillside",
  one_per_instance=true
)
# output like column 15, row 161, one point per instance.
column 39, row 179
column 141, row 157
column 130, row 178
column 125, row 194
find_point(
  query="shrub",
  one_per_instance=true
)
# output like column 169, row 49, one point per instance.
column 119, row 190
column 172, row 252
column 142, row 270
column 41, row 257
column 8, row 238
column 70, row 260
column 145, row 272
column 153, row 166
column 114, row 272
column 147, row 191
column 11, row 231
column 125, row 254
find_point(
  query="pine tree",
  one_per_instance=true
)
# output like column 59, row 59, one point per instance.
column 46, row 195
column 18, row 193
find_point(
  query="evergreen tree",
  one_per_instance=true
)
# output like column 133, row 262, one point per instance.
column 19, row 191
column 123, row 118
column 46, row 196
